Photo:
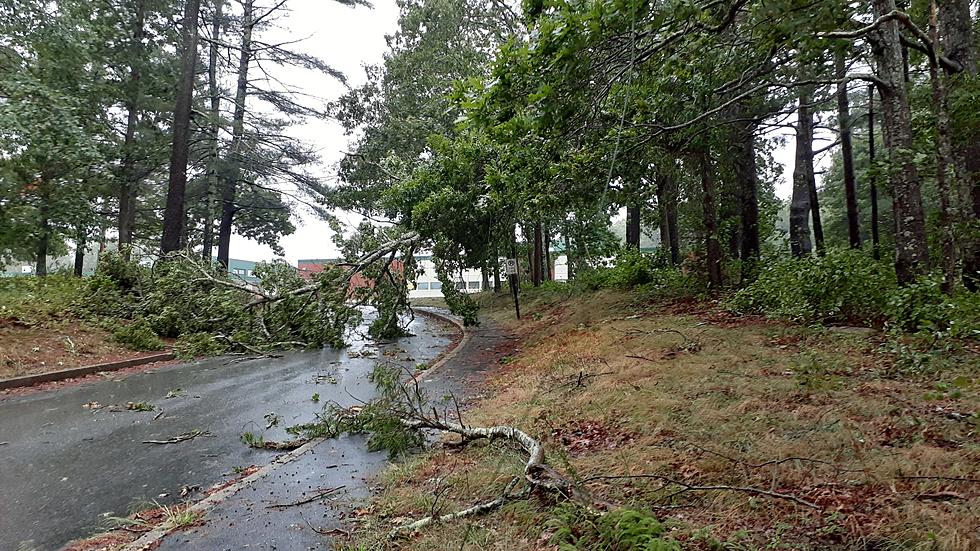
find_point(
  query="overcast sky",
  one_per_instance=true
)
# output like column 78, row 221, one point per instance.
column 349, row 38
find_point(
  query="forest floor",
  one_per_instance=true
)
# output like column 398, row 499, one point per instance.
column 702, row 418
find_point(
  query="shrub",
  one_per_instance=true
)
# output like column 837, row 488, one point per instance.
column 33, row 300
column 198, row 344
column 576, row 529
column 137, row 336
column 843, row 285
column 922, row 308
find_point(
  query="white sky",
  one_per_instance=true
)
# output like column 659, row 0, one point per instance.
column 348, row 39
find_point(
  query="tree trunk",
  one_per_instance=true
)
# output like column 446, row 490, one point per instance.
column 537, row 256
column 633, row 226
column 957, row 42
column 569, row 274
column 484, row 277
column 747, row 177
column 944, row 157
column 799, row 208
column 911, row 251
column 496, row 269
column 712, row 244
column 230, row 183
column 129, row 186
column 847, row 155
column 174, row 215
column 79, row 251
column 872, row 183
column 548, row 269
column 215, row 93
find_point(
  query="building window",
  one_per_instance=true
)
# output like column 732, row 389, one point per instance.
column 423, row 286
column 436, row 286
column 474, row 285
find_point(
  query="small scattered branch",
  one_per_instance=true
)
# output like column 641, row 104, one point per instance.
column 319, row 494
column 180, row 437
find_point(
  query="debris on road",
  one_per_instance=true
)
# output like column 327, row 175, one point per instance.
column 321, row 493
column 180, row 437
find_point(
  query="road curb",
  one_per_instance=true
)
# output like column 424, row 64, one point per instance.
column 148, row 540
column 76, row 372
column 448, row 355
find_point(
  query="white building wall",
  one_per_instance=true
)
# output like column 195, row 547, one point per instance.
column 427, row 285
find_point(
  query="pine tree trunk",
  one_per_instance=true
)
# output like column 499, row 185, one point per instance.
column 747, row 177
column 911, row 251
column 872, row 181
column 548, row 275
column 79, row 251
column 799, row 208
column 174, row 215
column 944, row 159
column 496, row 269
column 214, row 92
column 633, row 226
column 230, row 184
column 537, row 256
column 958, row 44
column 712, row 244
column 847, row 155
column 128, row 186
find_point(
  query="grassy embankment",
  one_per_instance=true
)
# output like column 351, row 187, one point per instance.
column 684, row 395
column 41, row 329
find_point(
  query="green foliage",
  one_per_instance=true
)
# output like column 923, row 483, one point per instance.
column 576, row 529
column 193, row 345
column 33, row 300
column 138, row 335
column 923, row 308
column 650, row 275
column 843, row 285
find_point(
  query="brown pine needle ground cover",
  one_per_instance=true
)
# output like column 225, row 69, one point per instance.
column 650, row 405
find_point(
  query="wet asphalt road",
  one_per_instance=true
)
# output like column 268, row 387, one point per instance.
column 65, row 467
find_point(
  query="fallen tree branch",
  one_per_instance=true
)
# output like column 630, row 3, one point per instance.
column 321, row 493
column 180, row 437
column 478, row 509
column 719, row 487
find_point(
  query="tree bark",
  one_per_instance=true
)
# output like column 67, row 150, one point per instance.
column 944, row 158
column 799, row 208
column 230, row 184
column 174, row 214
column 911, row 251
column 536, row 256
column 44, row 231
column 747, row 177
column 79, row 251
column 958, row 44
column 548, row 271
column 633, row 226
column 496, row 269
column 129, row 186
column 847, row 154
column 214, row 92
column 872, row 181
column 712, row 244
column 569, row 273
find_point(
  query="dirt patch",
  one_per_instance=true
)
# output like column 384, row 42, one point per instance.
column 29, row 350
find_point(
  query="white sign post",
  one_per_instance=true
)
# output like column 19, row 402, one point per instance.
column 511, row 266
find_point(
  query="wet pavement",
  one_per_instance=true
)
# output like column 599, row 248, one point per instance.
column 74, row 456
column 250, row 520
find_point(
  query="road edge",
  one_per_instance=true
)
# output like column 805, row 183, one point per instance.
column 84, row 371
column 451, row 353
column 202, row 507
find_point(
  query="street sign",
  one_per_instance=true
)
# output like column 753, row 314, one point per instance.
column 511, row 266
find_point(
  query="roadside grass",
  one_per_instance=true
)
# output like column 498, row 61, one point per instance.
column 621, row 387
